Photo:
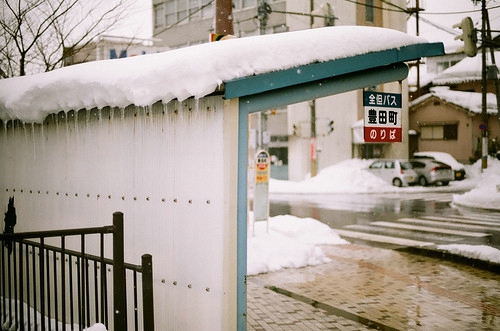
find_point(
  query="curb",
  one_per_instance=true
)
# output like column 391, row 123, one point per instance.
column 447, row 256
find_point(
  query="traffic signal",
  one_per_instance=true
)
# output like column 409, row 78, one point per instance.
column 468, row 36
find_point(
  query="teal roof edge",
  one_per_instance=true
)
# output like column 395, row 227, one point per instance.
column 316, row 71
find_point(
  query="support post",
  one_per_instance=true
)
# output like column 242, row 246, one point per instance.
column 147, row 292
column 119, row 290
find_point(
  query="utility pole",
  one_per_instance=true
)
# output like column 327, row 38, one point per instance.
column 416, row 10
column 224, row 17
column 484, row 82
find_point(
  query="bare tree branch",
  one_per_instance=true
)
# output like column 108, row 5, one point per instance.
column 36, row 33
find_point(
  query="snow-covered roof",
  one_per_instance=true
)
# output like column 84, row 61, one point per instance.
column 470, row 101
column 467, row 70
column 189, row 72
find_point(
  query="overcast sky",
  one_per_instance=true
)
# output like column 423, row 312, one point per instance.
column 436, row 20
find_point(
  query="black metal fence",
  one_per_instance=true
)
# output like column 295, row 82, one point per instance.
column 46, row 286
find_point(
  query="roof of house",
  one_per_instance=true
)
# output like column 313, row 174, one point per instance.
column 469, row 101
column 467, row 70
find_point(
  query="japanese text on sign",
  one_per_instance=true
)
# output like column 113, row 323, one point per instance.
column 382, row 117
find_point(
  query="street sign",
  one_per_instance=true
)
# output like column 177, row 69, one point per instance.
column 261, row 196
column 382, row 117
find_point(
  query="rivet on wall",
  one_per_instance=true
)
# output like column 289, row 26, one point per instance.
column 123, row 198
column 190, row 286
column 175, row 200
column 208, row 202
column 190, row 201
column 175, row 283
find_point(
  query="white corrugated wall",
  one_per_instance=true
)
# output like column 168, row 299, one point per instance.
column 165, row 167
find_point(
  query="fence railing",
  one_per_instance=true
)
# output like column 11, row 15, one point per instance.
column 44, row 285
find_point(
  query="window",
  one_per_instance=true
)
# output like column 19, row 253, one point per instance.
column 369, row 14
column 439, row 132
column 158, row 15
column 172, row 12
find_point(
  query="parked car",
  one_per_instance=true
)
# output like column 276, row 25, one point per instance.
column 430, row 171
column 397, row 172
column 458, row 168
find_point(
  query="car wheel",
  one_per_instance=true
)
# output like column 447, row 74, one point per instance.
column 397, row 182
column 445, row 183
column 422, row 181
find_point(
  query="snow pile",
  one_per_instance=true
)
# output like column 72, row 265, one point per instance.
column 287, row 242
column 96, row 327
column 486, row 193
column 352, row 177
column 480, row 252
column 188, row 72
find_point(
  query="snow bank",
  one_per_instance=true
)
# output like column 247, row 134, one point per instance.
column 288, row 242
column 480, row 252
column 485, row 194
column 178, row 74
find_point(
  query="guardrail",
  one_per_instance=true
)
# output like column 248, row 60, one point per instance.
column 49, row 287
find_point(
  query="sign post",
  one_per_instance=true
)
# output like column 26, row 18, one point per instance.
column 382, row 117
column 261, row 196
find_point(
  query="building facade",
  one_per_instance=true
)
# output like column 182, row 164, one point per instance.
column 299, row 142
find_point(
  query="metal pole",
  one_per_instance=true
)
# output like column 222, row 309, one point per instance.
column 484, row 135
column 147, row 292
column 312, row 105
column 119, row 298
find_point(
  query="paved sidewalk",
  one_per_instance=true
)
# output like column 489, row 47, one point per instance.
column 365, row 288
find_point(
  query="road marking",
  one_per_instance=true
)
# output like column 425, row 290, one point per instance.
column 463, row 219
column 430, row 229
column 448, row 223
column 381, row 239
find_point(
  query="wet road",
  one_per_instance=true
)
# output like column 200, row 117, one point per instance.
column 384, row 214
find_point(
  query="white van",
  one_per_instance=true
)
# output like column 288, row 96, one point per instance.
column 397, row 172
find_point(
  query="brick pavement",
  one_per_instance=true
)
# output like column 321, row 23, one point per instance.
column 365, row 288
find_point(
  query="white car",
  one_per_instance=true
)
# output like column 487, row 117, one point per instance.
column 458, row 168
column 397, row 172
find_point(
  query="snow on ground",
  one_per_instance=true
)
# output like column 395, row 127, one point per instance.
column 293, row 242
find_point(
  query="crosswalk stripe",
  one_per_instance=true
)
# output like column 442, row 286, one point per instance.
column 463, row 220
column 449, row 223
column 381, row 238
column 430, row 229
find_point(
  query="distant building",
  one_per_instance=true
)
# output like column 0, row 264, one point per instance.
column 180, row 23
column 111, row 47
column 447, row 117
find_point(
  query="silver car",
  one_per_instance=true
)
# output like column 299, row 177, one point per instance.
column 430, row 171
column 397, row 172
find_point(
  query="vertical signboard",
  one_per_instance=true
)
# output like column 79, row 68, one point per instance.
column 382, row 117
column 261, row 198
